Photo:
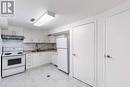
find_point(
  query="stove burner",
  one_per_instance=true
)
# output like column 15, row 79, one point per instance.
column 8, row 53
column 20, row 52
column 48, row 76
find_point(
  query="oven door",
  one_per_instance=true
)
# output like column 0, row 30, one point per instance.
column 13, row 61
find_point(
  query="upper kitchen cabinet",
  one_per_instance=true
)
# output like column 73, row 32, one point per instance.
column 42, row 37
column 12, row 30
column 35, row 36
column 3, row 23
column 27, row 36
column 52, row 39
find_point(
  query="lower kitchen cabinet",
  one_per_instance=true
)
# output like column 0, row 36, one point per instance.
column 29, row 61
column 54, row 58
column 37, row 59
column 44, row 58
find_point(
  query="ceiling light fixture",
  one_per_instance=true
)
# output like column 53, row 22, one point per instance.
column 46, row 17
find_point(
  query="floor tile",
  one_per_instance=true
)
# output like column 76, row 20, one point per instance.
column 38, row 77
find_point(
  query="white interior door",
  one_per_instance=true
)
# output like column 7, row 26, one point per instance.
column 118, row 50
column 84, row 53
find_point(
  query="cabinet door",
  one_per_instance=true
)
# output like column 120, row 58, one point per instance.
column 6, row 32
column 84, row 53
column 35, row 36
column 27, row 36
column 16, row 30
column 36, row 59
column 41, row 58
column 3, row 22
column 54, row 58
column 45, row 57
column 41, row 37
column 29, row 61
column 52, row 39
column 118, row 50
column 45, row 38
column 13, row 31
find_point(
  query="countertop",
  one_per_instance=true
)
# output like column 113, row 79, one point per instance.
column 35, row 51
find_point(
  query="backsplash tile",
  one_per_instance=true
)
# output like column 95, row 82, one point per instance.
column 32, row 46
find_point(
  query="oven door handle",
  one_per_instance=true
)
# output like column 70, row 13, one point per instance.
column 12, row 57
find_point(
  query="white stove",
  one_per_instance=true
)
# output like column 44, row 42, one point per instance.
column 13, row 61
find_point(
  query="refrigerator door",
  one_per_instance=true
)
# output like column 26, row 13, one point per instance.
column 61, row 42
column 62, row 60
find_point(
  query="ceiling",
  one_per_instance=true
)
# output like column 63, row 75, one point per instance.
column 67, row 11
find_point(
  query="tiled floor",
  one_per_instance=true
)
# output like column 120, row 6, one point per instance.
column 38, row 78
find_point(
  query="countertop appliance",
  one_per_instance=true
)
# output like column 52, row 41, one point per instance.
column 63, row 54
column 13, row 58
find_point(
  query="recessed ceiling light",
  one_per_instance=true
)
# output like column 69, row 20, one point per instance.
column 46, row 17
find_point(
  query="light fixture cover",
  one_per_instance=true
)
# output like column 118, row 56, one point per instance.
column 46, row 17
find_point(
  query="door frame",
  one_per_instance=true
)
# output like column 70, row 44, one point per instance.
column 85, row 22
column 113, row 12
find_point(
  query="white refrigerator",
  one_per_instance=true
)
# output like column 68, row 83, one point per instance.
column 63, row 56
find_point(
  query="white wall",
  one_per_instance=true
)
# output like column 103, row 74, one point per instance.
column 100, row 21
column 60, row 29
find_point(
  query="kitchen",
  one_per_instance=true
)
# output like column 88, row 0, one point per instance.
column 67, row 43
column 38, row 48
column 24, row 50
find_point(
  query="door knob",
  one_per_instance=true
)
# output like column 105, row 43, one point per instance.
column 74, row 54
column 108, row 56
